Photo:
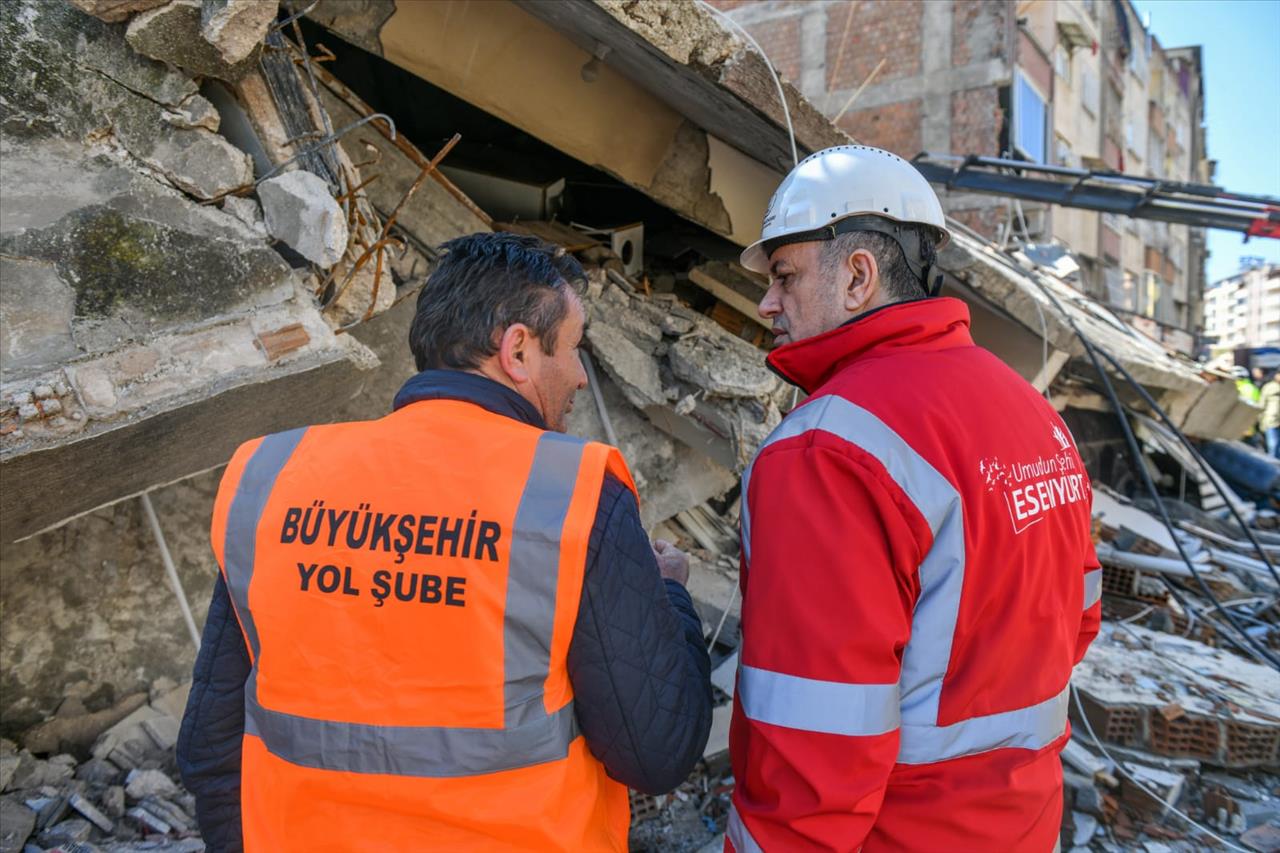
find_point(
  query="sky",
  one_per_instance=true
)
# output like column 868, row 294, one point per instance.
column 1241, row 41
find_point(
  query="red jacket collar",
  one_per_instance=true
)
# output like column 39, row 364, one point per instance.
column 923, row 325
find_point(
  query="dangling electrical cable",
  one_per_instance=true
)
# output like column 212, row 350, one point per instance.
column 777, row 81
column 1253, row 648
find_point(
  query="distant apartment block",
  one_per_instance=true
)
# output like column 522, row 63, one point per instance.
column 1243, row 310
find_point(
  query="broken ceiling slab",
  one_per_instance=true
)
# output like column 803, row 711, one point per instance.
column 1175, row 384
column 1180, row 698
column 685, row 56
column 669, row 157
column 161, row 410
column 144, row 335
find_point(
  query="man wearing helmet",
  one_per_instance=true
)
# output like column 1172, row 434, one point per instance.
column 918, row 576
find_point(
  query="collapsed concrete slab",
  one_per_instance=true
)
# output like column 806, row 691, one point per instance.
column 128, row 308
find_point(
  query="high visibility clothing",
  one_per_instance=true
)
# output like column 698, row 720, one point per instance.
column 408, row 588
column 918, row 582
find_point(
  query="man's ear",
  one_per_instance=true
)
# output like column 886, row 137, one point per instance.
column 864, row 283
column 513, row 352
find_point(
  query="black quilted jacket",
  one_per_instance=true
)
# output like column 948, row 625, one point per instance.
column 639, row 669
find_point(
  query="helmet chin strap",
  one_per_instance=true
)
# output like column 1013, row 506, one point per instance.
column 908, row 237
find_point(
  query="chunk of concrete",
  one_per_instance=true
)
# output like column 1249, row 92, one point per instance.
column 632, row 368
column 32, row 772
column 115, row 11
column 301, row 213
column 236, row 27
column 174, row 34
column 149, row 783
column 723, row 366
column 196, row 111
column 16, row 824
column 247, row 211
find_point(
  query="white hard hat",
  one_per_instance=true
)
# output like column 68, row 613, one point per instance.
column 829, row 187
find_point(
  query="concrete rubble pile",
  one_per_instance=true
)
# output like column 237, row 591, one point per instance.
column 179, row 233
column 1166, row 714
column 108, row 784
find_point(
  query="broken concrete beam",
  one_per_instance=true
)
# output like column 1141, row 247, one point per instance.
column 236, row 27
column 173, row 34
column 718, row 739
column 301, row 213
column 736, row 289
column 722, row 366
column 73, row 831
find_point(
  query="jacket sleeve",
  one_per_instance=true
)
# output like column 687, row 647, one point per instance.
column 828, row 594
column 640, row 672
column 213, row 726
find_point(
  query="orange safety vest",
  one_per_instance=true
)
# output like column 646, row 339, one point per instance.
column 408, row 588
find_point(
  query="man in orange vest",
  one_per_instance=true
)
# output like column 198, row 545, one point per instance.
column 445, row 629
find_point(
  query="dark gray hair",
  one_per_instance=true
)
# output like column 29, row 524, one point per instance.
column 484, row 284
column 900, row 283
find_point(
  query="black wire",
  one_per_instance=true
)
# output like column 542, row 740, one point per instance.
column 1260, row 652
column 1204, row 466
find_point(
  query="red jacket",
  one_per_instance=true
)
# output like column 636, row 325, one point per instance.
column 918, row 582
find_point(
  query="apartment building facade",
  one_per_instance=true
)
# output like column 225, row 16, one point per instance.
column 1243, row 310
column 1079, row 83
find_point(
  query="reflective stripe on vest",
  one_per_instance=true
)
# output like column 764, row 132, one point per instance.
column 530, row 735
column 928, row 652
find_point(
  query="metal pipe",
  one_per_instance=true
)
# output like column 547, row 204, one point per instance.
column 170, row 569
column 590, row 368
column 1110, row 555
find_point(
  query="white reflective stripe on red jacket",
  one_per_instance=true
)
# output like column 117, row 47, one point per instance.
column 739, row 835
column 1092, row 588
column 928, row 653
column 817, row 706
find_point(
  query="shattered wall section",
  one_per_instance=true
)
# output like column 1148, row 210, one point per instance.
column 128, row 297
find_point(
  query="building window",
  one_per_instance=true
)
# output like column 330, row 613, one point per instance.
column 1029, row 115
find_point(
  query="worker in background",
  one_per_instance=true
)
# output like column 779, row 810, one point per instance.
column 1269, row 398
column 1250, row 392
column 446, row 629
column 918, row 577
column 1245, row 386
